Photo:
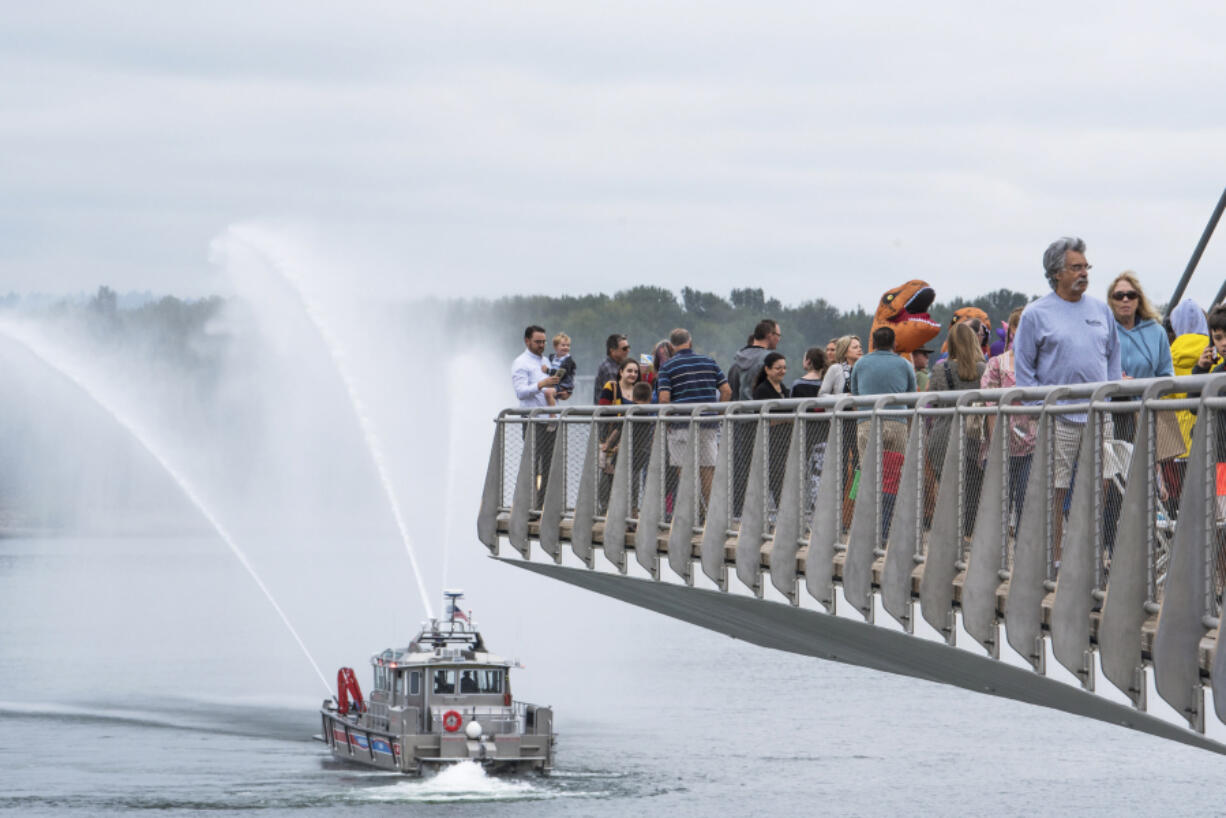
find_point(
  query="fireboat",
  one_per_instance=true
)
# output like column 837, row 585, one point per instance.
column 441, row 700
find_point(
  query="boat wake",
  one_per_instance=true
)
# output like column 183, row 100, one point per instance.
column 468, row 781
column 265, row 722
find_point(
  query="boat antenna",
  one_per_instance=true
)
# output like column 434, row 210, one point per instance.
column 1196, row 254
column 452, row 608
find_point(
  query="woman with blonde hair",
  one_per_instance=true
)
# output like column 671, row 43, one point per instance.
column 847, row 351
column 962, row 370
column 1145, row 351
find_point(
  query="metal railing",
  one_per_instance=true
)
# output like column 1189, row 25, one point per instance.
column 975, row 504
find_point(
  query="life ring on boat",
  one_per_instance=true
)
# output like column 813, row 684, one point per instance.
column 452, row 721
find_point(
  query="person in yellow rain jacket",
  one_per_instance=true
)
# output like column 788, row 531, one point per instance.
column 1191, row 330
column 1191, row 337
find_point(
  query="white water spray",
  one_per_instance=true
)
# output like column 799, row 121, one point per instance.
column 67, row 370
column 336, row 351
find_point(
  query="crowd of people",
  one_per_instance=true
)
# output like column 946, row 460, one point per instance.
column 1064, row 337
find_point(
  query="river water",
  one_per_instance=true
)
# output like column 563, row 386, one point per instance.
column 150, row 675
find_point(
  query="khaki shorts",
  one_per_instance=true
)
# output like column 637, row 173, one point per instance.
column 1067, row 444
column 893, row 435
column 679, row 444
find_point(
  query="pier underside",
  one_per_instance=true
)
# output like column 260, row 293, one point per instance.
column 839, row 639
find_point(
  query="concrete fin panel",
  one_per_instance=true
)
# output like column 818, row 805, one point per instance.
column 827, row 519
column 753, row 518
column 491, row 495
column 1119, row 630
column 787, row 516
column 905, row 542
column 988, row 542
column 553, row 504
column 619, row 505
column 1181, row 620
column 651, row 506
column 681, row 537
column 1028, row 577
column 1079, row 554
column 944, row 548
column 865, row 531
column 585, row 501
column 715, row 529
column 521, row 499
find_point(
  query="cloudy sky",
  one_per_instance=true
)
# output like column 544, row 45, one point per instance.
column 811, row 148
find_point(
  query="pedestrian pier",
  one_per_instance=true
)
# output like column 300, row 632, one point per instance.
column 934, row 535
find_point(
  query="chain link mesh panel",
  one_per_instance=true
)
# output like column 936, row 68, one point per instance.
column 778, row 438
column 742, row 427
column 639, row 432
column 850, row 475
column 815, row 435
column 608, row 430
column 513, row 431
column 576, row 439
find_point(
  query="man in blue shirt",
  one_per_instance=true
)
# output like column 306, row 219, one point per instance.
column 688, row 377
column 884, row 372
column 1066, row 337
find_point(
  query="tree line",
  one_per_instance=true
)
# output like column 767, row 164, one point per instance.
column 720, row 325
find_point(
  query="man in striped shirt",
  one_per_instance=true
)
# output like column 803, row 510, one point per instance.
column 688, row 377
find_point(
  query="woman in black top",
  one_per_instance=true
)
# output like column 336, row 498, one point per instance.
column 770, row 387
column 808, row 384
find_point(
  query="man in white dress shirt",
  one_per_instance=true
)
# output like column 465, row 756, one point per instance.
column 530, row 380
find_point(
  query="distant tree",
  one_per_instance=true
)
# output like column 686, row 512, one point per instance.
column 105, row 302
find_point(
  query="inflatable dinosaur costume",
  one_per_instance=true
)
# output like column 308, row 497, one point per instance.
column 966, row 314
column 905, row 310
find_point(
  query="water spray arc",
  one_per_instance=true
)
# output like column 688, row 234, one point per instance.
column 335, row 350
column 66, row 370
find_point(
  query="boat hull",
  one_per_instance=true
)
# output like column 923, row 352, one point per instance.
column 350, row 739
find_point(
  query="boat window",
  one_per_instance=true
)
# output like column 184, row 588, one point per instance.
column 381, row 680
column 444, row 681
column 415, row 683
column 491, row 681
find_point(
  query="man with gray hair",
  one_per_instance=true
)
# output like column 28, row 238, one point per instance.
column 1066, row 337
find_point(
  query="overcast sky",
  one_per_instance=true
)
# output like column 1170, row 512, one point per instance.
column 813, row 149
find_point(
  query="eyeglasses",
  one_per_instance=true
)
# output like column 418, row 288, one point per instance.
column 1080, row 268
column 1125, row 295
column 626, row 348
